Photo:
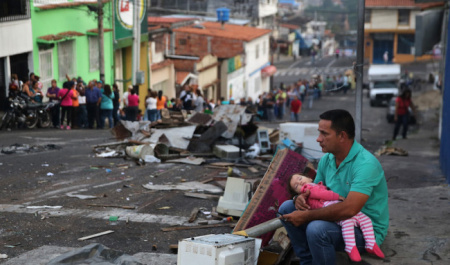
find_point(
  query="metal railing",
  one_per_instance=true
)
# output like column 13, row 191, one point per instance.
column 53, row 2
column 16, row 13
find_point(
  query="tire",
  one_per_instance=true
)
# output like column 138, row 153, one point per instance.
column 31, row 120
column 45, row 120
column 6, row 120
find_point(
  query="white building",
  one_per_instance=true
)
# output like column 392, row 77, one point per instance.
column 16, row 43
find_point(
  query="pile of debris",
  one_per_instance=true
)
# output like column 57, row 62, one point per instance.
column 179, row 137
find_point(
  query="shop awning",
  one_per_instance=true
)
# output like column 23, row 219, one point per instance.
column 268, row 71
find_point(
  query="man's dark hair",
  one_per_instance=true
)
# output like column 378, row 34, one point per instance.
column 341, row 121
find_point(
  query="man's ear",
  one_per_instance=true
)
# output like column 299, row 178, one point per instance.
column 343, row 135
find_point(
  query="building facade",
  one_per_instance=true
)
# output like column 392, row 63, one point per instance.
column 16, row 43
column 66, row 42
column 390, row 27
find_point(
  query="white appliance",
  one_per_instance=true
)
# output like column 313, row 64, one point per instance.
column 306, row 133
column 235, row 197
column 223, row 249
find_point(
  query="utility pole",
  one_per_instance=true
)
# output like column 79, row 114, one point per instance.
column 101, row 52
column 136, row 45
column 358, row 70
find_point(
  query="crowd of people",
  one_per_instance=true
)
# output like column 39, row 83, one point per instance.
column 89, row 105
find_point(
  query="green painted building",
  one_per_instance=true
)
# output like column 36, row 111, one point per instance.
column 65, row 40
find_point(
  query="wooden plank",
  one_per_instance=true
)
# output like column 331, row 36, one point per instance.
column 177, row 228
column 193, row 216
column 253, row 170
column 95, row 235
column 202, row 196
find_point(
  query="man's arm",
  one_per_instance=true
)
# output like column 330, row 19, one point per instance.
column 336, row 212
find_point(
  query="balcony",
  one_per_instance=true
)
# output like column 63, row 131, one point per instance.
column 12, row 10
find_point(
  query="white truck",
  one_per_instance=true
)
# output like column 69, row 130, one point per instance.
column 384, row 82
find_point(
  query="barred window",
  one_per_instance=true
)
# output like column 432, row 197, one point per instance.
column 403, row 17
column 93, row 53
column 66, row 59
column 46, row 67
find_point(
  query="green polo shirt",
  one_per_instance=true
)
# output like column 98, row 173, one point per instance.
column 360, row 172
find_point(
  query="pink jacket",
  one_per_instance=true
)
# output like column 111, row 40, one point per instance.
column 318, row 195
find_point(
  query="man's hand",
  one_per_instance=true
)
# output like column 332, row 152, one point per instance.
column 300, row 201
column 296, row 218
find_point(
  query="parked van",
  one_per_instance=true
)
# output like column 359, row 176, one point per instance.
column 384, row 81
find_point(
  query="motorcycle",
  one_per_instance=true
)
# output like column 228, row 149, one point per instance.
column 24, row 113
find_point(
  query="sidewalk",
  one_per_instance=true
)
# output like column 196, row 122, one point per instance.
column 418, row 201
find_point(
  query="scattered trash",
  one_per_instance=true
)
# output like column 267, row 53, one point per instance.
column 3, row 256
column 113, row 220
column 140, row 151
column 94, row 254
column 82, row 197
column 113, row 206
column 188, row 160
column 45, row 165
column 50, row 174
column 95, row 235
column 253, row 151
column 164, row 208
column 151, row 159
column 108, row 170
column 192, row 185
column 25, row 148
column 391, row 151
column 44, row 207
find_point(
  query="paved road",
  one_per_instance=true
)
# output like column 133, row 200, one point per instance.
column 76, row 171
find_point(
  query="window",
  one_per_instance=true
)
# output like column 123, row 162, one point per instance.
column 46, row 67
column 264, row 48
column 403, row 17
column 93, row 54
column 14, row 10
column 405, row 44
column 66, row 59
column 257, row 51
column 368, row 16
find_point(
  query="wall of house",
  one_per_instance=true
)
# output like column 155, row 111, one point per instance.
column 165, row 74
column 15, row 37
column 54, row 21
column 209, row 75
column 253, row 66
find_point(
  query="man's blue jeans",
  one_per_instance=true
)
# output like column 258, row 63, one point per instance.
column 317, row 242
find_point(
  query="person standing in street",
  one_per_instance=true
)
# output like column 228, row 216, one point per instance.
column 106, row 107
column 355, row 174
column 52, row 94
column 401, row 115
column 133, row 102
column 93, row 99
column 66, row 96
column 296, row 108
column 116, row 104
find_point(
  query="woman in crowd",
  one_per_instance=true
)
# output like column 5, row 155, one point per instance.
column 66, row 95
column 199, row 101
column 151, row 102
column 133, row 103
column 160, row 103
column 106, row 107
column 116, row 104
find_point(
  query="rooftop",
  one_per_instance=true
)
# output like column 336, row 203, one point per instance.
column 229, row 31
column 402, row 3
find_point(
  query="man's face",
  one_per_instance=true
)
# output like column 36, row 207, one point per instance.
column 99, row 85
column 328, row 138
column 53, row 84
